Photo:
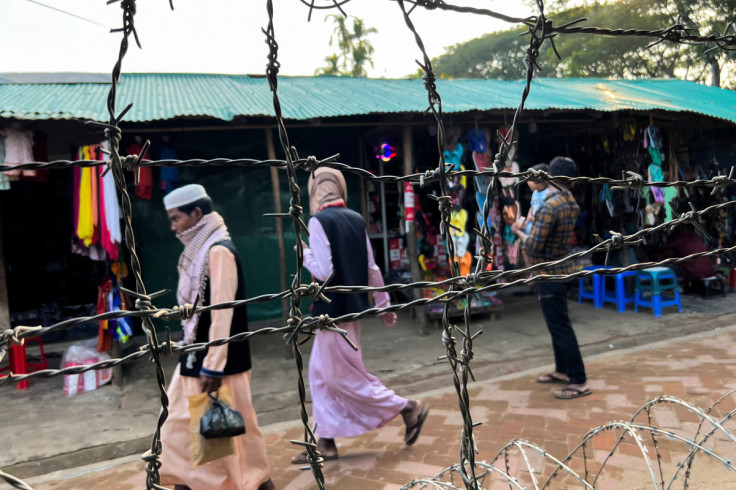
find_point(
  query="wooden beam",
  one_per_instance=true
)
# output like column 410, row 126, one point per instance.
column 420, row 314
column 276, row 189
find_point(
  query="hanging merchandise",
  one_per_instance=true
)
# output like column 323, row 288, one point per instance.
column 169, row 175
column 96, row 210
column 454, row 160
column 663, row 196
column 4, row 181
column 85, row 221
column 120, row 328
column 104, row 339
column 18, row 149
column 607, row 198
column 112, row 205
column 144, row 176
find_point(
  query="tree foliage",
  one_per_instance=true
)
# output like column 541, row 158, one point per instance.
column 501, row 54
column 355, row 51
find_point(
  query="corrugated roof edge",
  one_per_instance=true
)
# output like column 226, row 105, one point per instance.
column 44, row 78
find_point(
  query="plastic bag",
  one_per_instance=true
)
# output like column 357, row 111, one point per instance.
column 221, row 420
column 79, row 354
column 206, row 450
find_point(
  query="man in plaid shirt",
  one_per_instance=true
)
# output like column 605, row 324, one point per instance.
column 551, row 240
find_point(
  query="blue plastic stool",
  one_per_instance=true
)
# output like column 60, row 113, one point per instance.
column 656, row 280
column 618, row 294
column 594, row 292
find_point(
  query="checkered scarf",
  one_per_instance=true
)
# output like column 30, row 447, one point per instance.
column 194, row 264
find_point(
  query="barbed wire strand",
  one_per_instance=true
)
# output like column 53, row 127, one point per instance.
column 460, row 364
column 314, row 458
column 629, row 180
column 143, row 302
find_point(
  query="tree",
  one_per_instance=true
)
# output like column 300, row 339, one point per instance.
column 500, row 54
column 355, row 50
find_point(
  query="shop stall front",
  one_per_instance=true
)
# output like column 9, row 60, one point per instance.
column 660, row 129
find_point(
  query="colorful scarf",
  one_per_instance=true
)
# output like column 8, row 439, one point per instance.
column 194, row 264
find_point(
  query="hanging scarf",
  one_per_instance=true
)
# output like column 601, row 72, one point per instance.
column 194, row 264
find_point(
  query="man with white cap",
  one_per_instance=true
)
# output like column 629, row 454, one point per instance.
column 210, row 268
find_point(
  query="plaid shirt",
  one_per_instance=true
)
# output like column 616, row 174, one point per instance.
column 551, row 236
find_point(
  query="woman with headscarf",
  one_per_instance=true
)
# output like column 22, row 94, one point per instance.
column 347, row 400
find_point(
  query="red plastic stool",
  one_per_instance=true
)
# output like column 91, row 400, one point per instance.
column 19, row 365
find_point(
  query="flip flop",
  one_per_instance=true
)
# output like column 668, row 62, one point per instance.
column 416, row 429
column 302, row 458
column 573, row 393
column 551, row 378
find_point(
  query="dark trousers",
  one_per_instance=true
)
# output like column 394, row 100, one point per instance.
column 553, row 299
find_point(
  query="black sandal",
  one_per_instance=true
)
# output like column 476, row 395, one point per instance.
column 412, row 433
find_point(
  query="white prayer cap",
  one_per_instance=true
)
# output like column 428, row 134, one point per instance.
column 183, row 196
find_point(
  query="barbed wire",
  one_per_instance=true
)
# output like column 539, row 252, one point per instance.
column 628, row 180
column 314, row 458
column 299, row 329
column 628, row 430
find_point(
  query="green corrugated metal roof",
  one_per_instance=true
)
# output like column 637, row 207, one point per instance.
column 168, row 96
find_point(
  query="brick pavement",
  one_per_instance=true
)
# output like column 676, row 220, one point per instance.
column 698, row 369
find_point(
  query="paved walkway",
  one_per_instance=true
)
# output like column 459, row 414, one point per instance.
column 698, row 369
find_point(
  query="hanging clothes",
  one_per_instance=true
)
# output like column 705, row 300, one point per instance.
column 144, row 185
column 18, row 150
column 119, row 328
column 4, row 182
column 85, row 222
column 169, row 175
column 104, row 339
column 112, row 206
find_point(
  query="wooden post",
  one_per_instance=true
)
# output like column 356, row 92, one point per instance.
column 276, row 188
column 411, row 238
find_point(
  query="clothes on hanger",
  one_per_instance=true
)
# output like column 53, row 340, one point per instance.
column 18, row 150
column 96, row 208
column 144, row 182
column 169, row 175
column 4, row 181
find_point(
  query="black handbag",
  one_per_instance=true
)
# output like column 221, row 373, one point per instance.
column 221, row 420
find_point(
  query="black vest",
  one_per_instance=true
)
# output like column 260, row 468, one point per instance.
column 238, row 353
column 345, row 230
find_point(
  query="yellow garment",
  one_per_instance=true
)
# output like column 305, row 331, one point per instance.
column 458, row 219
column 85, row 223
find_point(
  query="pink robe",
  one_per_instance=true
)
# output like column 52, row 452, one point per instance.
column 346, row 399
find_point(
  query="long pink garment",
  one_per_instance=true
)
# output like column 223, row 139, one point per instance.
column 247, row 469
column 347, row 400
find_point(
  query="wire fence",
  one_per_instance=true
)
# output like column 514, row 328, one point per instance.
column 299, row 327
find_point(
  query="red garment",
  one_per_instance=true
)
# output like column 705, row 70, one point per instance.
column 95, row 200
column 105, row 240
column 144, row 187
column 684, row 242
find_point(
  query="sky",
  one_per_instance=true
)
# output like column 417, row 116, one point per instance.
column 224, row 36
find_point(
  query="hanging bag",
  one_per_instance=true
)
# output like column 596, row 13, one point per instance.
column 221, row 420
